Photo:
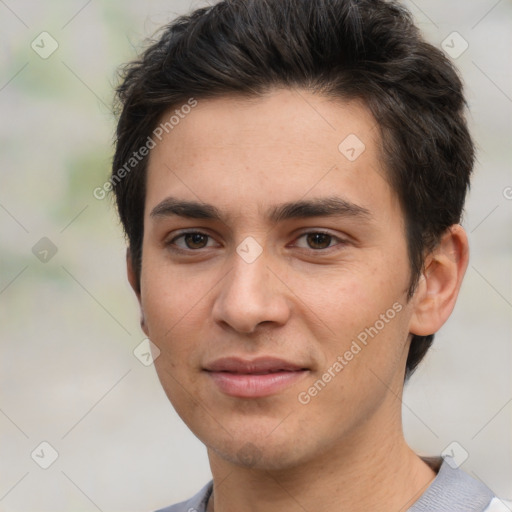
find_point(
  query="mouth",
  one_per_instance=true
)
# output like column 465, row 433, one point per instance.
column 255, row 378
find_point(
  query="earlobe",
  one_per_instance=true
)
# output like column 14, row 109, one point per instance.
column 134, row 281
column 440, row 282
column 143, row 325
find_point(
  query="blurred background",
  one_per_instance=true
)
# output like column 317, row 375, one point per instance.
column 69, row 323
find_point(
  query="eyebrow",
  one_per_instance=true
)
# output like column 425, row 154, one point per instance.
column 321, row 207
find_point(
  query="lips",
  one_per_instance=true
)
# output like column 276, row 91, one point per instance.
column 261, row 365
column 254, row 378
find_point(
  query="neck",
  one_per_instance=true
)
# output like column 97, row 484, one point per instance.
column 369, row 469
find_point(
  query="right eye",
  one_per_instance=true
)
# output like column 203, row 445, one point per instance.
column 191, row 241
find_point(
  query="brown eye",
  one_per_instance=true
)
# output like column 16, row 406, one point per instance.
column 318, row 240
column 191, row 241
column 195, row 240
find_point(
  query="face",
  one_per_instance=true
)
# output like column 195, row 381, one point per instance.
column 274, row 277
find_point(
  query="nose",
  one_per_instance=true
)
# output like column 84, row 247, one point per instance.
column 251, row 294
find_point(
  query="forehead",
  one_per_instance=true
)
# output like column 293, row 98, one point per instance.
column 282, row 117
column 253, row 151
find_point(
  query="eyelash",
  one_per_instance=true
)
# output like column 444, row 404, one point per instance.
column 340, row 242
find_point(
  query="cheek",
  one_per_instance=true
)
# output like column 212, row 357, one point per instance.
column 174, row 313
column 360, row 315
column 349, row 300
column 168, row 293
column 170, row 312
column 362, row 364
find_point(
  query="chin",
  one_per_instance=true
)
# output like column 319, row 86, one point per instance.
column 260, row 456
column 266, row 449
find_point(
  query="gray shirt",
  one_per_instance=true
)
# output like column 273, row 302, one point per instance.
column 452, row 490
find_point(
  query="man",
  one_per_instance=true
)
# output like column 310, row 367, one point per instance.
column 291, row 175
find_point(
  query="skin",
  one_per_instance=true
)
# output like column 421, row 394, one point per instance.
column 299, row 300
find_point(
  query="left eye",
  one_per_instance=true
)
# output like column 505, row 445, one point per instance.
column 318, row 240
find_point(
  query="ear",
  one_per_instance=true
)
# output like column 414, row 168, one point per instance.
column 134, row 280
column 439, row 285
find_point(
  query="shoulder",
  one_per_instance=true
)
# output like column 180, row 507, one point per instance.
column 455, row 490
column 197, row 503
